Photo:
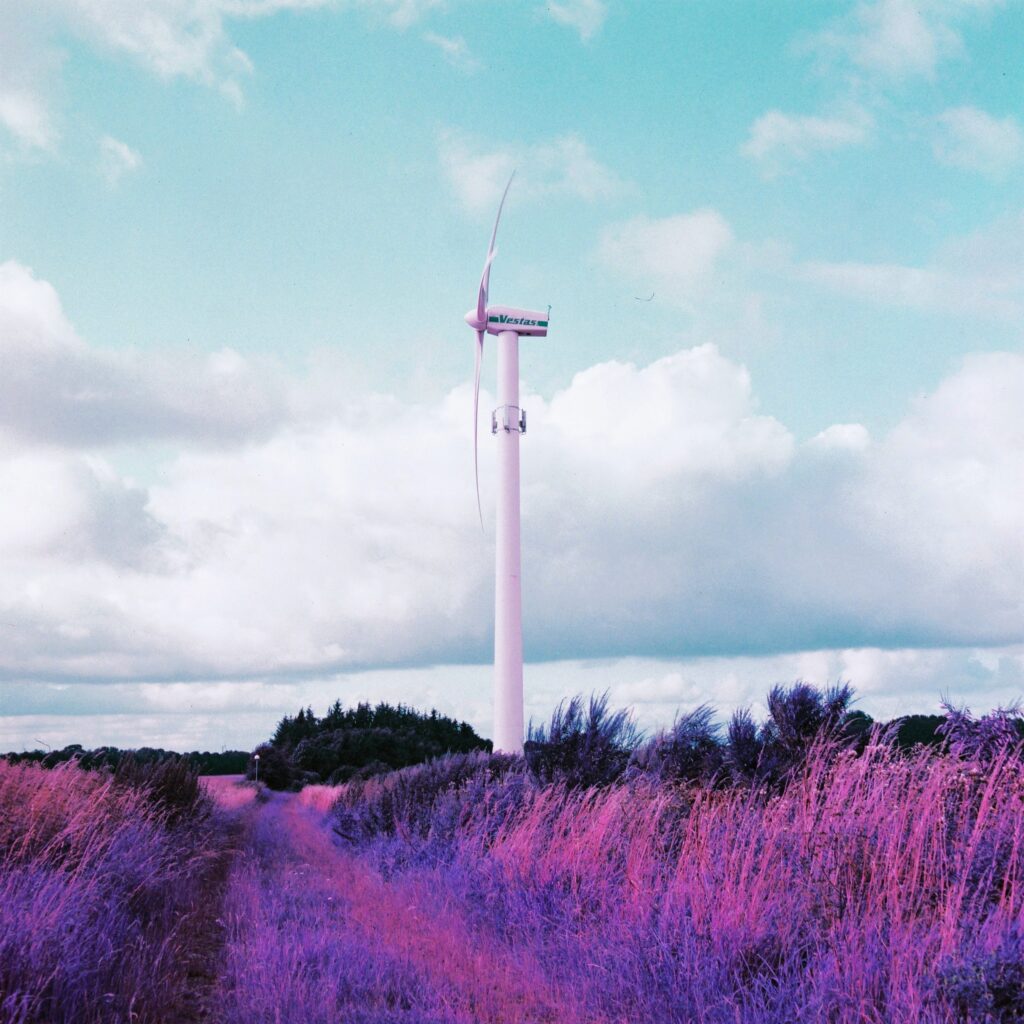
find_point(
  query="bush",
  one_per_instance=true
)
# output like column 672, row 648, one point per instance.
column 800, row 717
column 981, row 739
column 743, row 749
column 987, row 987
column 228, row 762
column 580, row 748
column 691, row 751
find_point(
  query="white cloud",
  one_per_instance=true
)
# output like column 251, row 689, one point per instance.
column 951, row 476
column 170, row 38
column 678, row 254
column 455, row 51
column 845, row 437
column 976, row 141
column 776, row 137
column 478, row 171
column 240, row 714
column 27, row 119
column 188, row 39
column 924, row 288
column 82, row 511
column 585, row 16
column 57, row 390
column 665, row 514
column 28, row 61
column 981, row 275
column 117, row 159
column 401, row 13
column 690, row 414
column 899, row 39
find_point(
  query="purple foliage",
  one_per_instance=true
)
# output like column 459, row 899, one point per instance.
column 874, row 887
column 583, row 745
column 987, row 986
column 97, row 876
column 982, row 739
column 690, row 751
column 776, row 873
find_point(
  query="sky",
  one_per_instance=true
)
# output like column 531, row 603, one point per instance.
column 776, row 430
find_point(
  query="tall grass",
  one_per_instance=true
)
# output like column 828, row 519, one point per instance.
column 317, row 937
column 786, row 872
column 98, row 876
column 877, row 887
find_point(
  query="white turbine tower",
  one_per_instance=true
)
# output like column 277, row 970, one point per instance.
column 508, row 421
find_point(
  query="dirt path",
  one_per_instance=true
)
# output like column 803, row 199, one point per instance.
column 314, row 934
column 207, row 932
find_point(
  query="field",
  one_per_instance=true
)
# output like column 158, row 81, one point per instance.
column 876, row 886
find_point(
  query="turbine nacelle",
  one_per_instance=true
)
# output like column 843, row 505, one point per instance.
column 533, row 322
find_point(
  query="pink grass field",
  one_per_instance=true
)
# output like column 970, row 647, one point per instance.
column 876, row 888
column 98, row 890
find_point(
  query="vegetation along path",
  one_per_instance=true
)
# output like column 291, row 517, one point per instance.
column 313, row 934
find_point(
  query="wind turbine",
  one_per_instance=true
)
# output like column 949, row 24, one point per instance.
column 508, row 421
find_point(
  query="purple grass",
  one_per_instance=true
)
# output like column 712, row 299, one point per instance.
column 860, row 884
column 97, row 878
column 875, row 888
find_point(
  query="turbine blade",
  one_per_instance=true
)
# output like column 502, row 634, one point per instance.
column 476, row 423
column 485, row 279
column 481, row 297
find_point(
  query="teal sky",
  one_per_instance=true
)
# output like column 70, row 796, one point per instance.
column 316, row 214
column 226, row 225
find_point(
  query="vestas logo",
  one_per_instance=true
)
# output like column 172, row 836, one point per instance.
column 521, row 320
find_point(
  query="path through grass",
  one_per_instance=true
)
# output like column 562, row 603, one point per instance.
column 314, row 934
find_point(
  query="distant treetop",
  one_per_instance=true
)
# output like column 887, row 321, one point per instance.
column 361, row 741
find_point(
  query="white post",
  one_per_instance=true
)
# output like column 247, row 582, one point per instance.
column 508, row 606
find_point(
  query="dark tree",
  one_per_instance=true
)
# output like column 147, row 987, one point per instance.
column 367, row 740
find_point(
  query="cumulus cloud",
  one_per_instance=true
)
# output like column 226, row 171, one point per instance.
column 240, row 713
column 57, row 390
column 28, row 61
column 847, row 437
column 665, row 515
column 678, row 254
column 477, row 171
column 83, row 511
column 25, row 116
column 585, row 16
column 900, row 39
column 690, row 414
column 959, row 459
column 172, row 39
column 777, row 137
column 976, row 141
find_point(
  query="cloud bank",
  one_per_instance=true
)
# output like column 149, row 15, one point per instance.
column 665, row 514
